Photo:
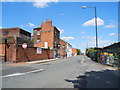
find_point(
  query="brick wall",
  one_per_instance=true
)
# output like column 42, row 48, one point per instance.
column 48, row 33
column 30, row 54
column 63, row 47
column 2, row 49
column 74, row 52
column 6, row 32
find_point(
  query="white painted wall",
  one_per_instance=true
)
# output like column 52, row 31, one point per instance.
column 69, row 50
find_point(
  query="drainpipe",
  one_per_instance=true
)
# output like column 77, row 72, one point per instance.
column 5, row 50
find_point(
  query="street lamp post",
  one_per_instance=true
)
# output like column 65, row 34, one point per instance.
column 95, row 23
column 96, row 56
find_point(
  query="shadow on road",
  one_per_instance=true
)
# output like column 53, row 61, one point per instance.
column 81, row 82
column 96, row 79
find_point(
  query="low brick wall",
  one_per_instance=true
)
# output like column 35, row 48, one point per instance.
column 30, row 54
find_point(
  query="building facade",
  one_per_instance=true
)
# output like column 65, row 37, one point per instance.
column 63, row 47
column 69, row 50
column 16, row 32
column 74, row 52
column 9, row 39
column 47, row 36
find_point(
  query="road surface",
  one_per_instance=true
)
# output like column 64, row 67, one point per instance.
column 74, row 72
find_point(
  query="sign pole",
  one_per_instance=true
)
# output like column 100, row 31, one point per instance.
column 24, row 45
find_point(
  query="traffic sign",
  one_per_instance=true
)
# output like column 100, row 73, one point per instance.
column 24, row 45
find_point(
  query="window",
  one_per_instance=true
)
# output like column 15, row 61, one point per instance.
column 38, row 32
column 39, row 50
column 6, row 32
column 55, row 41
column 55, row 33
column 45, row 44
column 38, row 40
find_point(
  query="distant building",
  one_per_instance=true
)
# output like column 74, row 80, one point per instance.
column 74, row 52
column 47, row 36
column 10, row 38
column 69, row 50
column 63, row 47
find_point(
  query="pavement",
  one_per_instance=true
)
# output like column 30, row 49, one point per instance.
column 29, row 62
column 74, row 72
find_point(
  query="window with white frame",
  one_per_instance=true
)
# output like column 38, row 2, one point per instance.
column 38, row 40
column 38, row 32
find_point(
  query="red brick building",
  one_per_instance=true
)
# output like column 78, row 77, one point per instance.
column 63, row 47
column 16, row 32
column 47, row 36
column 74, row 52
column 9, row 39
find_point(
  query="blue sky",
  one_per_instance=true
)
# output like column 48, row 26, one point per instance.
column 76, row 24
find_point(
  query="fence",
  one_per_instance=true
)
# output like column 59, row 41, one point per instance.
column 109, row 55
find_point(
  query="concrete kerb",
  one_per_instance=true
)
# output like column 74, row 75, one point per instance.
column 28, row 63
column 106, row 65
column 109, row 66
column 41, row 61
column 31, row 62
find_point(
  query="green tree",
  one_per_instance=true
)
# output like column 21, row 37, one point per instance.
column 78, row 51
column 91, row 50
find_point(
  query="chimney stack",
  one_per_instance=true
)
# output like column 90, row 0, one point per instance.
column 49, row 21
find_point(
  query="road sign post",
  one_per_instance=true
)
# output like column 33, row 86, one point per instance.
column 24, row 45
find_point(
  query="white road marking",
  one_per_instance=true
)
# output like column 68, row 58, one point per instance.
column 18, row 74
column 11, row 75
column 83, row 60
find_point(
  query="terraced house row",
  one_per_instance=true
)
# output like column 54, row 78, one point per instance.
column 44, row 44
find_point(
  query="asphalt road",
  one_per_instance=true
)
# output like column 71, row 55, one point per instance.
column 74, row 72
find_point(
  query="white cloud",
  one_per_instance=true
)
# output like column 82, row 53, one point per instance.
column 21, row 26
column 1, row 27
column 62, row 14
column 29, row 0
column 68, row 38
column 91, row 42
column 69, row 0
column 36, row 3
column 15, row 0
column 110, row 26
column 101, row 41
column 92, row 22
column 91, row 37
column 73, row 45
column 111, row 34
column 82, row 32
column 82, row 36
column 31, row 25
column 43, row 3
column 40, row 4
column 61, row 30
